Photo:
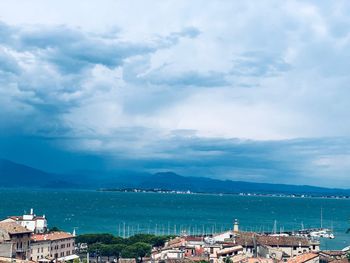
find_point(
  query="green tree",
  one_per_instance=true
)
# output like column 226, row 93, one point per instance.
column 76, row 260
column 96, row 238
column 54, row 229
column 106, row 251
column 156, row 241
column 94, row 247
column 228, row 260
column 118, row 240
column 117, row 250
column 128, row 252
column 141, row 250
column 138, row 251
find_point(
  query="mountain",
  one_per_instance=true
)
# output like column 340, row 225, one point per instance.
column 17, row 175
column 172, row 181
column 13, row 174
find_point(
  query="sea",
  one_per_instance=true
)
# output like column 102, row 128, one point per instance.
column 125, row 214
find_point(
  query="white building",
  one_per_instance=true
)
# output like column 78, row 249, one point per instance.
column 168, row 254
column 36, row 224
column 52, row 246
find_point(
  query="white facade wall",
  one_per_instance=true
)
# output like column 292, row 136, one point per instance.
column 40, row 250
column 62, row 248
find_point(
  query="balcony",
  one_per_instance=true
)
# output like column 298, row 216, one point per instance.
column 21, row 250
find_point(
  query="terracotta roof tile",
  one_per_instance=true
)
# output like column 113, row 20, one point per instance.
column 51, row 236
column 303, row 258
column 14, row 228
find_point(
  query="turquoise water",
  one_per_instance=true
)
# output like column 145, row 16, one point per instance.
column 92, row 211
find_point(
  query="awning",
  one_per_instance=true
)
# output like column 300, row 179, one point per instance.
column 43, row 260
column 70, row 257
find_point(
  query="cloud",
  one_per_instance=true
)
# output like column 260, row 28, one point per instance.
column 241, row 90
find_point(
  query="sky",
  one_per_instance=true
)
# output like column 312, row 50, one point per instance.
column 241, row 90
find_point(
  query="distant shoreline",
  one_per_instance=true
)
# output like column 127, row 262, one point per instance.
column 178, row 192
column 188, row 192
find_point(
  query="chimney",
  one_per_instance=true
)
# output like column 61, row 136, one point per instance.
column 31, row 211
column 236, row 226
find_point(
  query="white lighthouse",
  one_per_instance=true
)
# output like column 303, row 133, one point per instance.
column 236, row 226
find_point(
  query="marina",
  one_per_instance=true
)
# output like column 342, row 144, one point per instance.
column 154, row 213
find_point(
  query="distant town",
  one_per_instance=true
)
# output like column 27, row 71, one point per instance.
column 27, row 238
column 167, row 191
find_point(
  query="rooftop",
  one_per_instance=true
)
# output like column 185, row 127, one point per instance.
column 248, row 239
column 51, row 236
column 333, row 253
column 303, row 258
column 229, row 250
column 34, row 218
column 13, row 228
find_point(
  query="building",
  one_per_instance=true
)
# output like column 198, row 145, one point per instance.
column 14, row 240
column 327, row 256
column 37, row 224
column 254, row 243
column 305, row 258
column 234, row 253
column 168, row 254
column 58, row 246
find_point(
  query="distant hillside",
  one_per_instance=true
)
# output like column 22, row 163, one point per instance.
column 172, row 181
column 13, row 174
column 18, row 175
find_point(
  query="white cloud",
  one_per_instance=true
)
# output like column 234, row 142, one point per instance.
column 267, row 70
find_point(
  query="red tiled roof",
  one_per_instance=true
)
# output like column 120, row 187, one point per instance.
column 194, row 238
column 13, row 228
column 248, row 239
column 283, row 241
column 51, row 236
column 303, row 258
column 333, row 253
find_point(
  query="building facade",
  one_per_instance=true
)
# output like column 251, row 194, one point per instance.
column 58, row 246
column 37, row 224
column 14, row 240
